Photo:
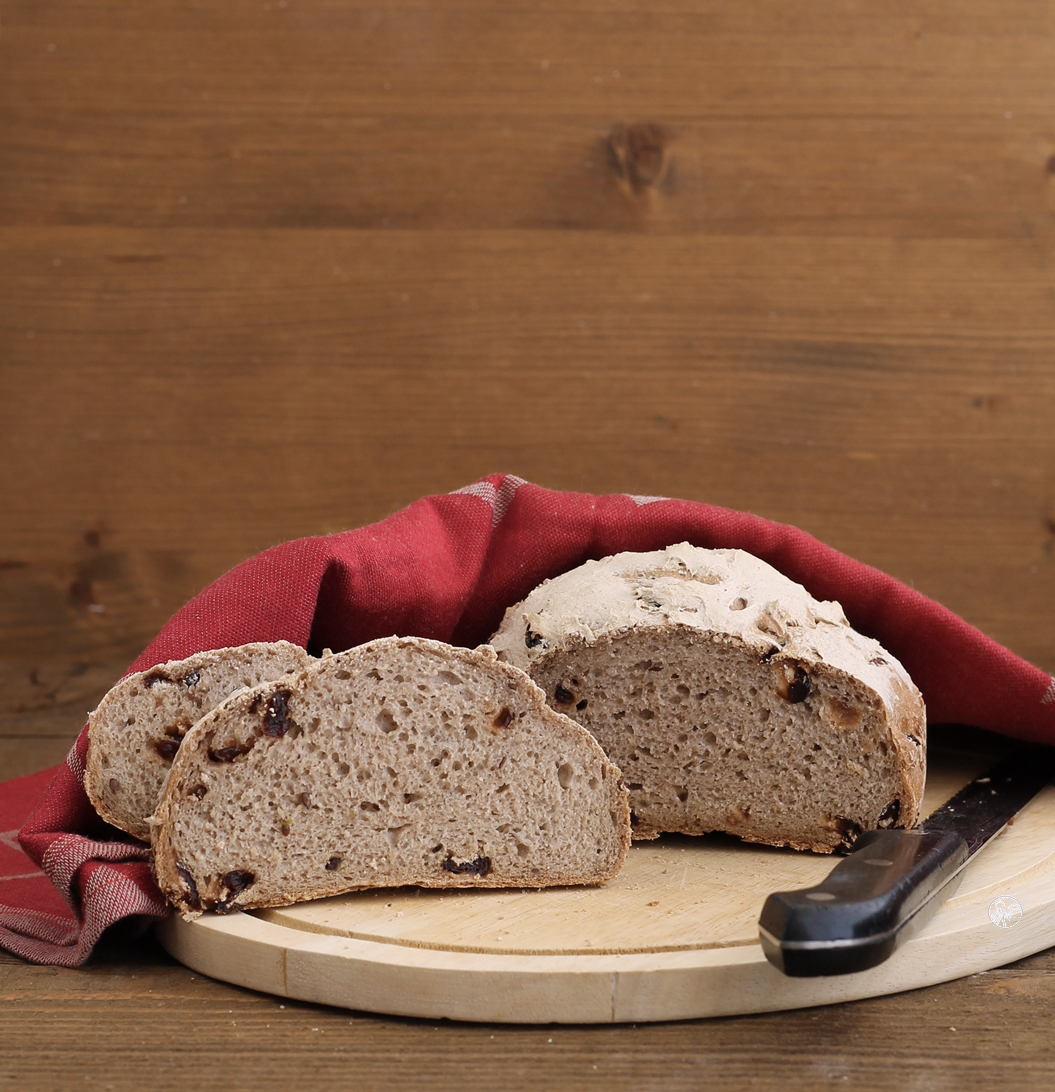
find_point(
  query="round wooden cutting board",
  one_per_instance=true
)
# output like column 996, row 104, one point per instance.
column 674, row 936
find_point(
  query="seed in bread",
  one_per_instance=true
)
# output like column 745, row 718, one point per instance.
column 138, row 727
column 401, row 761
column 730, row 698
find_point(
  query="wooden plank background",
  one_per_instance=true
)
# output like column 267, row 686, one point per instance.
column 276, row 269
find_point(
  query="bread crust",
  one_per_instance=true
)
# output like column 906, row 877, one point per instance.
column 137, row 728
column 403, row 761
column 774, row 720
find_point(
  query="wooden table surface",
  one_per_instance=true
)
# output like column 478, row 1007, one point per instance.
column 270, row 269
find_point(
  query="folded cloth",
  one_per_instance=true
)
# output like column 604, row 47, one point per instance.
column 446, row 567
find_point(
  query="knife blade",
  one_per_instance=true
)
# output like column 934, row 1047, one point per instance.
column 894, row 881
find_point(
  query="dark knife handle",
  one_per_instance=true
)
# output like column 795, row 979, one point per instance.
column 874, row 899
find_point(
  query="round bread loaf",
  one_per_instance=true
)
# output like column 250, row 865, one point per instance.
column 401, row 761
column 729, row 697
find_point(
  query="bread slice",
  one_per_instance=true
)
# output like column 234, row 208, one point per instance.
column 401, row 761
column 136, row 730
column 730, row 698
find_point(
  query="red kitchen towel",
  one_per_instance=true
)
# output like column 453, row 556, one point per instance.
column 446, row 567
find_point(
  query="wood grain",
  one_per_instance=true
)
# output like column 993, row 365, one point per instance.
column 961, row 1037
column 830, row 120
column 278, row 268
column 299, row 386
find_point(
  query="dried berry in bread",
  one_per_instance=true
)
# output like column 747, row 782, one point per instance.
column 137, row 729
column 730, row 698
column 401, row 761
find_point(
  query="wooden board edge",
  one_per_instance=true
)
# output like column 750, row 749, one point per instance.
column 584, row 989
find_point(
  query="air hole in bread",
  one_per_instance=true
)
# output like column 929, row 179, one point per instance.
column 565, row 775
column 386, row 721
column 394, row 834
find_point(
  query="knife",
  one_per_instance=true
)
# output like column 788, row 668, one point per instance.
column 894, row 881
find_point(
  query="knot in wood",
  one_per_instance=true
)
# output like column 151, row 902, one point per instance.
column 642, row 154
